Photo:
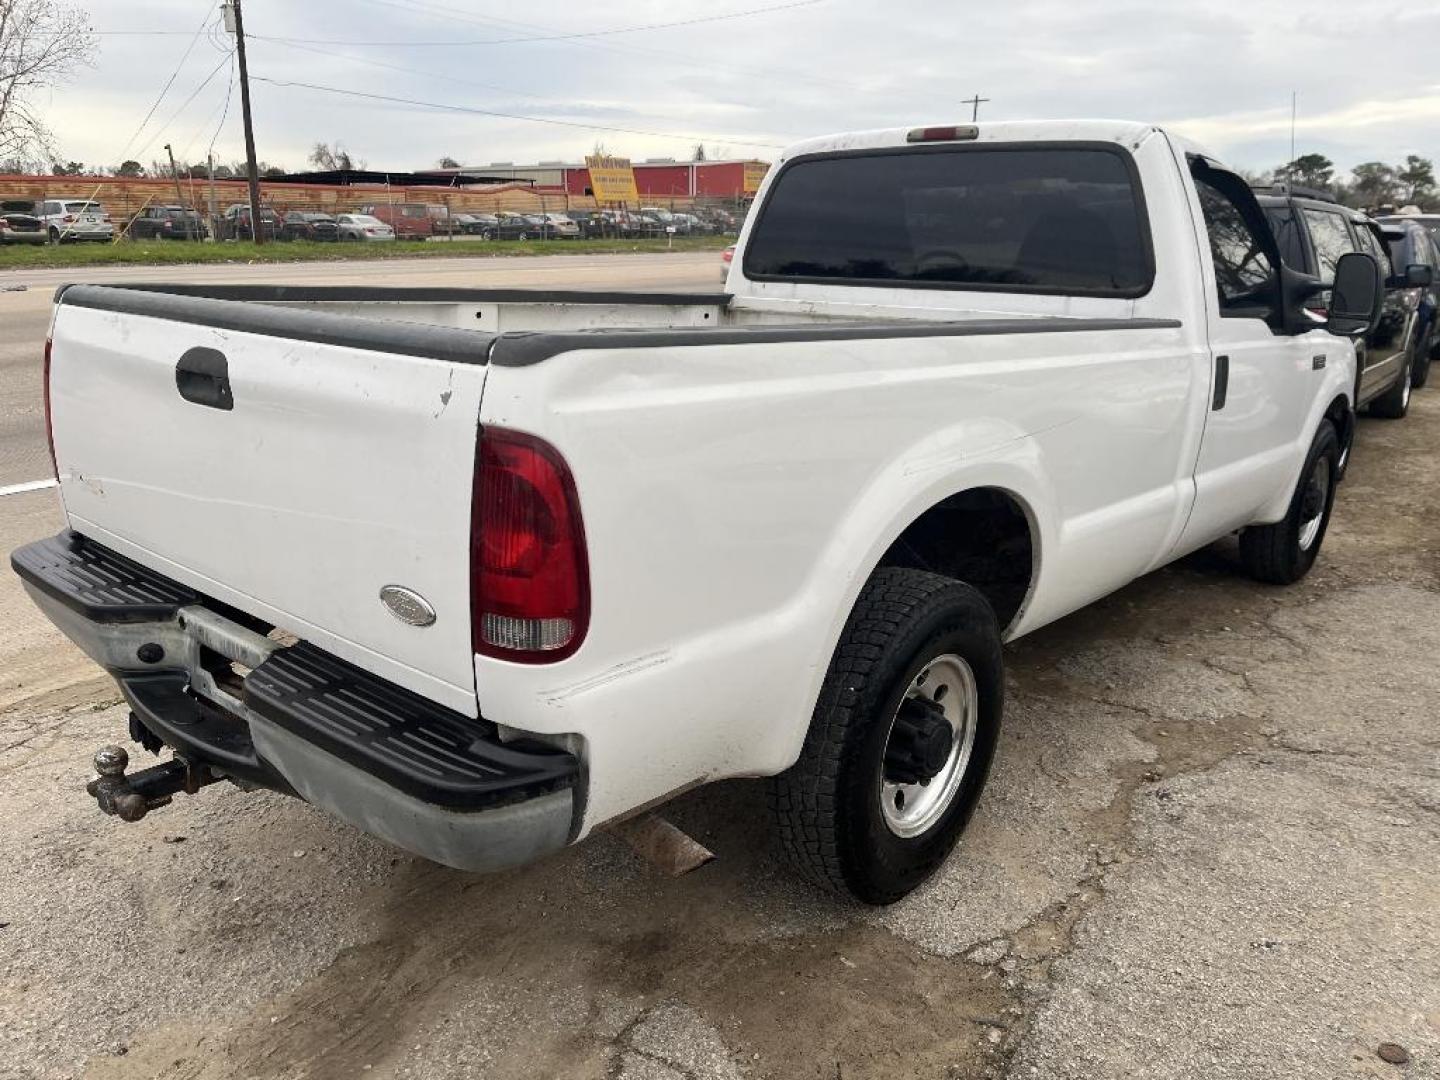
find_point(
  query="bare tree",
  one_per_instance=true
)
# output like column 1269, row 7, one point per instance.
column 42, row 42
column 324, row 156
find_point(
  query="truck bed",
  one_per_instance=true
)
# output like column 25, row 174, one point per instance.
column 515, row 327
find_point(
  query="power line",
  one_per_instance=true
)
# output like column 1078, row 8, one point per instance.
column 184, row 105
column 408, row 70
column 450, row 43
column 439, row 11
column 513, row 116
column 169, row 82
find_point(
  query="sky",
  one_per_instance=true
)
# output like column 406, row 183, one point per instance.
column 745, row 77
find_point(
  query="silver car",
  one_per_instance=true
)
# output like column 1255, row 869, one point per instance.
column 76, row 219
column 363, row 227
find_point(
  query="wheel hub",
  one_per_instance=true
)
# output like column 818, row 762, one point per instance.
column 920, row 742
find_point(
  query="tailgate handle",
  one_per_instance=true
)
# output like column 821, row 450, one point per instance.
column 203, row 376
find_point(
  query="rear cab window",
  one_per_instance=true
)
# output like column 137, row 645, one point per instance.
column 1064, row 219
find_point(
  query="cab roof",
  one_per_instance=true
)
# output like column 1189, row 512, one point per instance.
column 1127, row 133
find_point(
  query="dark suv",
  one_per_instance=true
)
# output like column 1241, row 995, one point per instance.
column 1413, row 243
column 1313, row 231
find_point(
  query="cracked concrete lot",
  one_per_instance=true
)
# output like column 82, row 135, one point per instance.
column 1210, row 848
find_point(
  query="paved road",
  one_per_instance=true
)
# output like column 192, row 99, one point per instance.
column 1210, row 850
column 25, row 315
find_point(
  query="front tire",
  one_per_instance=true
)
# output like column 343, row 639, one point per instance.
column 1283, row 553
column 919, row 661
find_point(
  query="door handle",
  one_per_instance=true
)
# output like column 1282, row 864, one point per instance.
column 203, row 376
column 1222, row 382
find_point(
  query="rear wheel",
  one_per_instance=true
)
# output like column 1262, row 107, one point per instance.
column 1284, row 552
column 1420, row 370
column 1395, row 402
column 901, row 740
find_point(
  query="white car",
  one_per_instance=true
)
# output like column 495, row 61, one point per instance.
column 76, row 219
column 363, row 227
column 559, row 227
column 542, row 559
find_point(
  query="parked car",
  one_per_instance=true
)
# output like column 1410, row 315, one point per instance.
column 310, row 225
column 1413, row 244
column 167, row 223
column 727, row 259
column 1430, row 222
column 539, row 572
column 442, row 221
column 21, row 223
column 235, row 223
column 481, row 225
column 408, row 221
column 588, row 222
column 363, row 227
column 513, row 226
column 76, row 219
column 556, row 226
column 1314, row 231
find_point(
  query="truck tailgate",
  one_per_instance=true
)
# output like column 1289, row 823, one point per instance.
column 325, row 470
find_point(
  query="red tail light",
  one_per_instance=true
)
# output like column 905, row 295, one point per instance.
column 529, row 581
column 49, row 425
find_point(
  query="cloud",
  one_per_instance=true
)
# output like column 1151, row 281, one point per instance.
column 1222, row 74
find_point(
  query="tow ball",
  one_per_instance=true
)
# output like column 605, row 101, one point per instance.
column 131, row 797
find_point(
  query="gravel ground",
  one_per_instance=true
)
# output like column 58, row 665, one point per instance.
column 1210, row 848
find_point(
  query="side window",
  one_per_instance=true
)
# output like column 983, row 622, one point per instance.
column 1287, row 235
column 1331, row 238
column 1371, row 245
column 1244, row 273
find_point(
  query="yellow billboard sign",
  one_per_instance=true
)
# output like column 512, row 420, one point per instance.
column 612, row 179
column 754, row 173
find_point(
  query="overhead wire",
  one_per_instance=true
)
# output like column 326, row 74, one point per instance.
column 510, row 116
column 573, row 35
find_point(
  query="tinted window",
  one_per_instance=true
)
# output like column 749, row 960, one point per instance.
column 1243, row 271
column 1371, row 245
column 1287, row 235
column 1331, row 237
column 1020, row 220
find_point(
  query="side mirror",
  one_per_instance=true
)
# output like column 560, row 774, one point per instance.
column 1419, row 276
column 1357, row 295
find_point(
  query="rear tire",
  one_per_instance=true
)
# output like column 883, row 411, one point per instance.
column 1395, row 402
column 1283, row 553
column 1420, row 370
column 830, row 806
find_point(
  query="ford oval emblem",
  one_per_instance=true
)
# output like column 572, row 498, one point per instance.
column 407, row 605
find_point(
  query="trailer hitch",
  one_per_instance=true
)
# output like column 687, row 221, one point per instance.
column 131, row 797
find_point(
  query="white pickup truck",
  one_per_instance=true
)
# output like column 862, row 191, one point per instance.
column 482, row 571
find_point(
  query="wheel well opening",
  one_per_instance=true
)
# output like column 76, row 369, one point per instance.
column 1343, row 417
column 981, row 537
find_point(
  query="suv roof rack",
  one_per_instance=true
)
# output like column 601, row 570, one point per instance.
column 1282, row 187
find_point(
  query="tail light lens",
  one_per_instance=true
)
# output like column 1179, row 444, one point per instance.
column 529, row 580
column 49, row 425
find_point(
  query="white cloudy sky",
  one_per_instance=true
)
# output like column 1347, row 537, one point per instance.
column 1367, row 73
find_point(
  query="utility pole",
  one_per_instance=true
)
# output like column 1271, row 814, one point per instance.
column 179, row 198
column 214, row 218
column 975, row 103
column 257, row 226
